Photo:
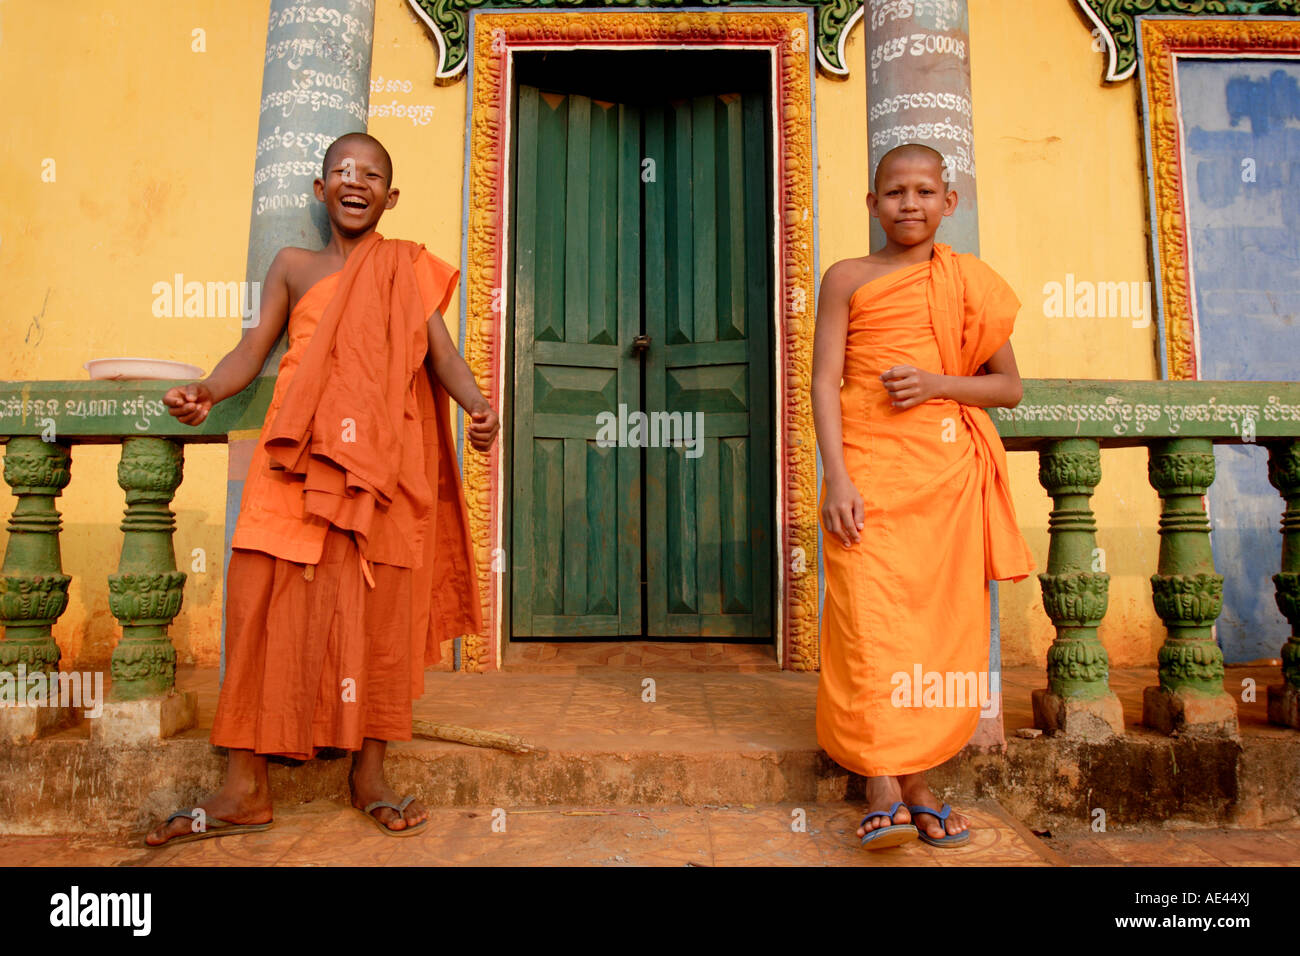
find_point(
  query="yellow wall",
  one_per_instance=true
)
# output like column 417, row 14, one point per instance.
column 1062, row 190
column 154, row 152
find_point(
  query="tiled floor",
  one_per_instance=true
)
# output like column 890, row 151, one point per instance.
column 328, row 834
column 1189, row 847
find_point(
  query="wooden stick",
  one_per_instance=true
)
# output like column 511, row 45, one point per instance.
column 475, row 738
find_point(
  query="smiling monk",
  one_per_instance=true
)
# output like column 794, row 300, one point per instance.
column 351, row 559
column 912, row 343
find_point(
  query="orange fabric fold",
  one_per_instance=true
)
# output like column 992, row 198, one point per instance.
column 358, row 438
column 316, row 662
column 973, row 311
column 350, row 430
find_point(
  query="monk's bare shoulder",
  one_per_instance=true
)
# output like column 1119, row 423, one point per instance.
column 302, row 268
column 847, row 276
column 844, row 277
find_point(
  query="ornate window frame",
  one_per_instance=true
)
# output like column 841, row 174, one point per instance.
column 1162, row 42
column 1115, row 22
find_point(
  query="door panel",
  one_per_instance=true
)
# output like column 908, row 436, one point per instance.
column 576, row 557
column 585, row 226
column 707, row 233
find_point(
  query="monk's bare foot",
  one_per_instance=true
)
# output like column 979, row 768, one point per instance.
column 367, row 783
column 916, row 793
column 883, row 793
column 245, row 797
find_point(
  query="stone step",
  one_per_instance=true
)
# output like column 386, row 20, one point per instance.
column 706, row 739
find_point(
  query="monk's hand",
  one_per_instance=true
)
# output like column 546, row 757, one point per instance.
column 908, row 386
column 189, row 403
column 842, row 512
column 483, row 426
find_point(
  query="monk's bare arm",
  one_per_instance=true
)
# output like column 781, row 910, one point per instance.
column 458, row 380
column 241, row 365
column 999, row 387
column 192, row 403
column 842, row 507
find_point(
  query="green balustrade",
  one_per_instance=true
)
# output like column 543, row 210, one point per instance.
column 145, row 593
column 1075, row 592
column 1188, row 595
column 33, row 587
column 1078, row 700
column 1067, row 422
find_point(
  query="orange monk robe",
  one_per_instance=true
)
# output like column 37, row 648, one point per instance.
column 352, row 558
column 911, row 598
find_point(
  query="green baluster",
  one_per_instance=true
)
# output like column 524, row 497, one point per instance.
column 1078, row 700
column 1284, row 474
column 1188, row 596
column 145, row 594
column 33, row 587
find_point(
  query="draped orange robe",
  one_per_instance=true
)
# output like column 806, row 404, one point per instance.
column 351, row 558
column 911, row 598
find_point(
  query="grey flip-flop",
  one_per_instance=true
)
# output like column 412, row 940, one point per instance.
column 408, row 830
column 212, row 827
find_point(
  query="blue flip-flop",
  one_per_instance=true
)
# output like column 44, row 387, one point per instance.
column 896, row 834
column 948, row 839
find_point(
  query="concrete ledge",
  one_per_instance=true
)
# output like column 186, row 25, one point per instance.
column 1284, row 706
column 137, row 723
column 73, row 785
column 19, row 725
column 1188, row 712
column 1096, row 719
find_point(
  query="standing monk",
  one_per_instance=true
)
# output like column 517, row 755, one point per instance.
column 912, row 343
column 351, row 559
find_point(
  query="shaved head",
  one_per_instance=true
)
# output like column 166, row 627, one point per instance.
column 912, row 151
column 348, row 139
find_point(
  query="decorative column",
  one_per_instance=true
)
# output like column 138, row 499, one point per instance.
column 1188, row 596
column 918, row 78
column 145, row 595
column 315, row 88
column 33, row 588
column 1284, row 474
column 1078, row 700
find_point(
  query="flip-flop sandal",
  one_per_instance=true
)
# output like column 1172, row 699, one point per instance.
column 212, row 827
column 948, row 839
column 896, row 834
column 408, row 830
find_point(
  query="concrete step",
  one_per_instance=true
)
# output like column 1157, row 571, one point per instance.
column 707, row 739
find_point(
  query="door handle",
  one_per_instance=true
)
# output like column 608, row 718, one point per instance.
column 641, row 343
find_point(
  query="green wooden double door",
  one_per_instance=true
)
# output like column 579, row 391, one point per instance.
column 641, row 265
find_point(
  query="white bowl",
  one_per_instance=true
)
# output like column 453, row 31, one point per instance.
column 121, row 369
